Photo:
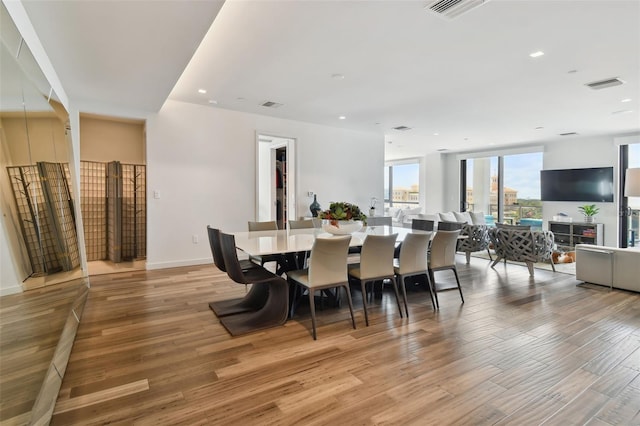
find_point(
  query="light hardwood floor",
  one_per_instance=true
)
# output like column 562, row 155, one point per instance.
column 520, row 351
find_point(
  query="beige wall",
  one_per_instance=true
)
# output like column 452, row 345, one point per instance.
column 111, row 140
column 46, row 140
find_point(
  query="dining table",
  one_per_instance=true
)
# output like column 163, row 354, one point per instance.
column 295, row 244
column 290, row 241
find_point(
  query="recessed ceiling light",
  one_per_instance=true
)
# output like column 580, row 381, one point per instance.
column 342, row 117
column 213, row 102
column 203, row 91
column 536, row 54
column 626, row 100
column 436, row 134
column 624, row 111
column 337, row 76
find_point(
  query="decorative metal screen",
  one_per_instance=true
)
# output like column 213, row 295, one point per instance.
column 93, row 197
column 44, row 206
column 60, row 212
column 134, row 211
column 114, row 209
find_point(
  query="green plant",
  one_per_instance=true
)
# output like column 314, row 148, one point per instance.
column 342, row 211
column 589, row 210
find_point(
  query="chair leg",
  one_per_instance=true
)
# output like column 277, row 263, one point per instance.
column 364, row 302
column 468, row 256
column 433, row 287
column 395, row 289
column 349, row 301
column 455, row 272
column 553, row 266
column 313, row 313
column 403, row 284
column 530, row 266
column 489, row 253
column 430, row 288
column 495, row 262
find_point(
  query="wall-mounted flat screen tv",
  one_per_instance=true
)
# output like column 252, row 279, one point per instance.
column 592, row 184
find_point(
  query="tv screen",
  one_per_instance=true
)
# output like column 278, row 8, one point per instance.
column 592, row 184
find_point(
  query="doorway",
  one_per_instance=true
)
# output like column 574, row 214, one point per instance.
column 275, row 179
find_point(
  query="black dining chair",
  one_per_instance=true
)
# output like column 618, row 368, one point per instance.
column 274, row 308
column 254, row 298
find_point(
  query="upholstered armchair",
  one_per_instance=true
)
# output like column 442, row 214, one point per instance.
column 522, row 245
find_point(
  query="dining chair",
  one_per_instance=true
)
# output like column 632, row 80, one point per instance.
column 271, row 311
column 327, row 269
column 376, row 264
column 449, row 226
column 301, row 224
column 379, row 221
column 255, row 296
column 261, row 260
column 423, row 224
column 300, row 258
column 443, row 257
column 216, row 251
column 413, row 263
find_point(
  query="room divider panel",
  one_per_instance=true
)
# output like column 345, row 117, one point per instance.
column 45, row 208
column 114, row 210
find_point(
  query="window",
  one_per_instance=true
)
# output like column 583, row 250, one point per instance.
column 506, row 188
column 401, row 184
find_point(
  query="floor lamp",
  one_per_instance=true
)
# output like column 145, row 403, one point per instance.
column 632, row 189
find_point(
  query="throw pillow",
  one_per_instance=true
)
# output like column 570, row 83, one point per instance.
column 447, row 217
column 463, row 217
column 478, row 218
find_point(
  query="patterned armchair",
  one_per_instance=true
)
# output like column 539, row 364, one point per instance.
column 478, row 239
column 519, row 245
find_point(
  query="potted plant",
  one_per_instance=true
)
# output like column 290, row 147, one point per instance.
column 589, row 211
column 342, row 218
column 372, row 206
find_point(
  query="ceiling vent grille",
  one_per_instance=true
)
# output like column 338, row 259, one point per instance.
column 402, row 128
column 450, row 9
column 602, row 84
column 270, row 104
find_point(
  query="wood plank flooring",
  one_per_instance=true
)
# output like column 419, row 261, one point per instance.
column 30, row 326
column 520, row 351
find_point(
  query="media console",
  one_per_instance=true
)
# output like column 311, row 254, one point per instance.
column 568, row 234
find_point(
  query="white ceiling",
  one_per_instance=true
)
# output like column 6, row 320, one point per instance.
column 470, row 79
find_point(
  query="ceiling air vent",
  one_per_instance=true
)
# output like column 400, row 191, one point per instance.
column 402, row 128
column 602, row 84
column 568, row 134
column 453, row 8
column 270, row 104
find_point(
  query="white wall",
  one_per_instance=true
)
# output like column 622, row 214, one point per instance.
column 581, row 153
column 202, row 161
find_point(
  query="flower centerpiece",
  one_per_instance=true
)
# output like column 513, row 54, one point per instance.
column 342, row 218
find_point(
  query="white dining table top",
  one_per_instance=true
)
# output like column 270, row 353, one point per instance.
column 260, row 243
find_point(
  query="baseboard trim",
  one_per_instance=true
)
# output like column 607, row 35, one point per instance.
column 10, row 290
column 178, row 263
